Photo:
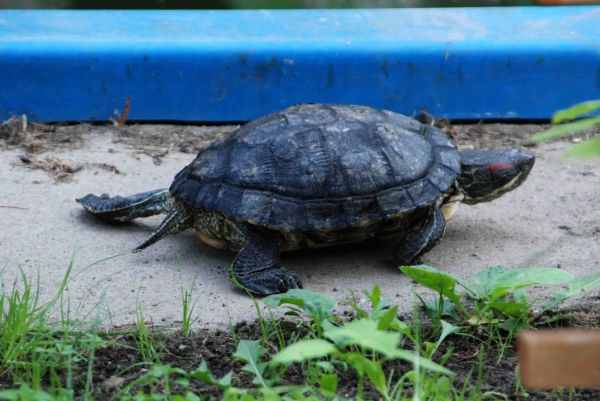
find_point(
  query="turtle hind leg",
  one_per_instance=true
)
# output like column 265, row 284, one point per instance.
column 126, row 208
column 257, row 269
column 178, row 220
column 421, row 238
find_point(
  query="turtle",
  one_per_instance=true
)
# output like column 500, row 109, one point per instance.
column 316, row 175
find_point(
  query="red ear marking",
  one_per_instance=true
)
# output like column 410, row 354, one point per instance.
column 495, row 167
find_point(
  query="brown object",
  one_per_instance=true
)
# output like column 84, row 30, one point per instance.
column 559, row 358
column 122, row 120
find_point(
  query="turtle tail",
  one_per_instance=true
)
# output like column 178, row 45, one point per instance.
column 178, row 220
column 127, row 208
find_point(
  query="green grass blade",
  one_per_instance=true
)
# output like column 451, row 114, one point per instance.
column 563, row 130
column 585, row 149
column 573, row 112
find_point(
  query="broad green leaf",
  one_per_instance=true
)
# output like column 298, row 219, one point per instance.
column 205, row 375
column 236, row 394
column 513, row 324
column 511, row 308
column 158, row 370
column 433, row 278
column 424, row 363
column 486, row 276
column 474, row 289
column 520, row 296
column 189, row 396
column 447, row 309
column 575, row 287
column 585, row 149
column 327, row 325
column 402, row 327
column 364, row 333
column 304, row 350
column 375, row 296
column 251, row 352
column 315, row 304
column 565, row 129
column 573, row 112
column 518, row 278
column 267, row 394
column 25, row 393
column 329, row 383
column 479, row 288
column 377, row 302
column 386, row 318
column 371, row 368
column 326, row 366
column 447, row 329
column 182, row 381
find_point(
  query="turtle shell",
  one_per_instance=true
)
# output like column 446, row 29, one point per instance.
column 319, row 166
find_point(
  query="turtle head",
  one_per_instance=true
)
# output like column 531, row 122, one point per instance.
column 488, row 174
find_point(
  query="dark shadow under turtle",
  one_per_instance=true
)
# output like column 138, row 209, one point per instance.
column 316, row 175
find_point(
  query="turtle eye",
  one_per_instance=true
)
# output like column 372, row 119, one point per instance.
column 499, row 167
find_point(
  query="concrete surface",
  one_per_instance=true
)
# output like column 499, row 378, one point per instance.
column 552, row 220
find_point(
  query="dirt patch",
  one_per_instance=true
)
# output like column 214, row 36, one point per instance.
column 154, row 140
column 41, row 137
column 497, row 367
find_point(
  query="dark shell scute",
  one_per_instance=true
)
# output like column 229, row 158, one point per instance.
column 357, row 211
column 366, row 172
column 254, row 207
column 229, row 200
column 210, row 202
column 308, row 114
column 324, row 214
column 391, row 202
column 423, row 191
column 285, row 214
column 301, row 158
column 253, row 168
column 316, row 166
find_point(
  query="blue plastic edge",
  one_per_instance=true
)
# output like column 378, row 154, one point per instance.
column 472, row 63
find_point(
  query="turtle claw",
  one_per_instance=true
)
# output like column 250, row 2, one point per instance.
column 272, row 281
column 291, row 279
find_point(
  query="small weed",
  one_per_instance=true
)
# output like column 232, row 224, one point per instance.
column 497, row 292
column 149, row 346
column 31, row 349
column 364, row 344
column 585, row 149
column 188, row 318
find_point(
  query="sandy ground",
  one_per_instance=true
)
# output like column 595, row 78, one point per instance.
column 553, row 220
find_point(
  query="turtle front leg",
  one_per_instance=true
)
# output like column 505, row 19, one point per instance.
column 421, row 238
column 126, row 208
column 257, row 269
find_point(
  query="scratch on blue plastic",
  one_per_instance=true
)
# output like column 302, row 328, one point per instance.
column 238, row 65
